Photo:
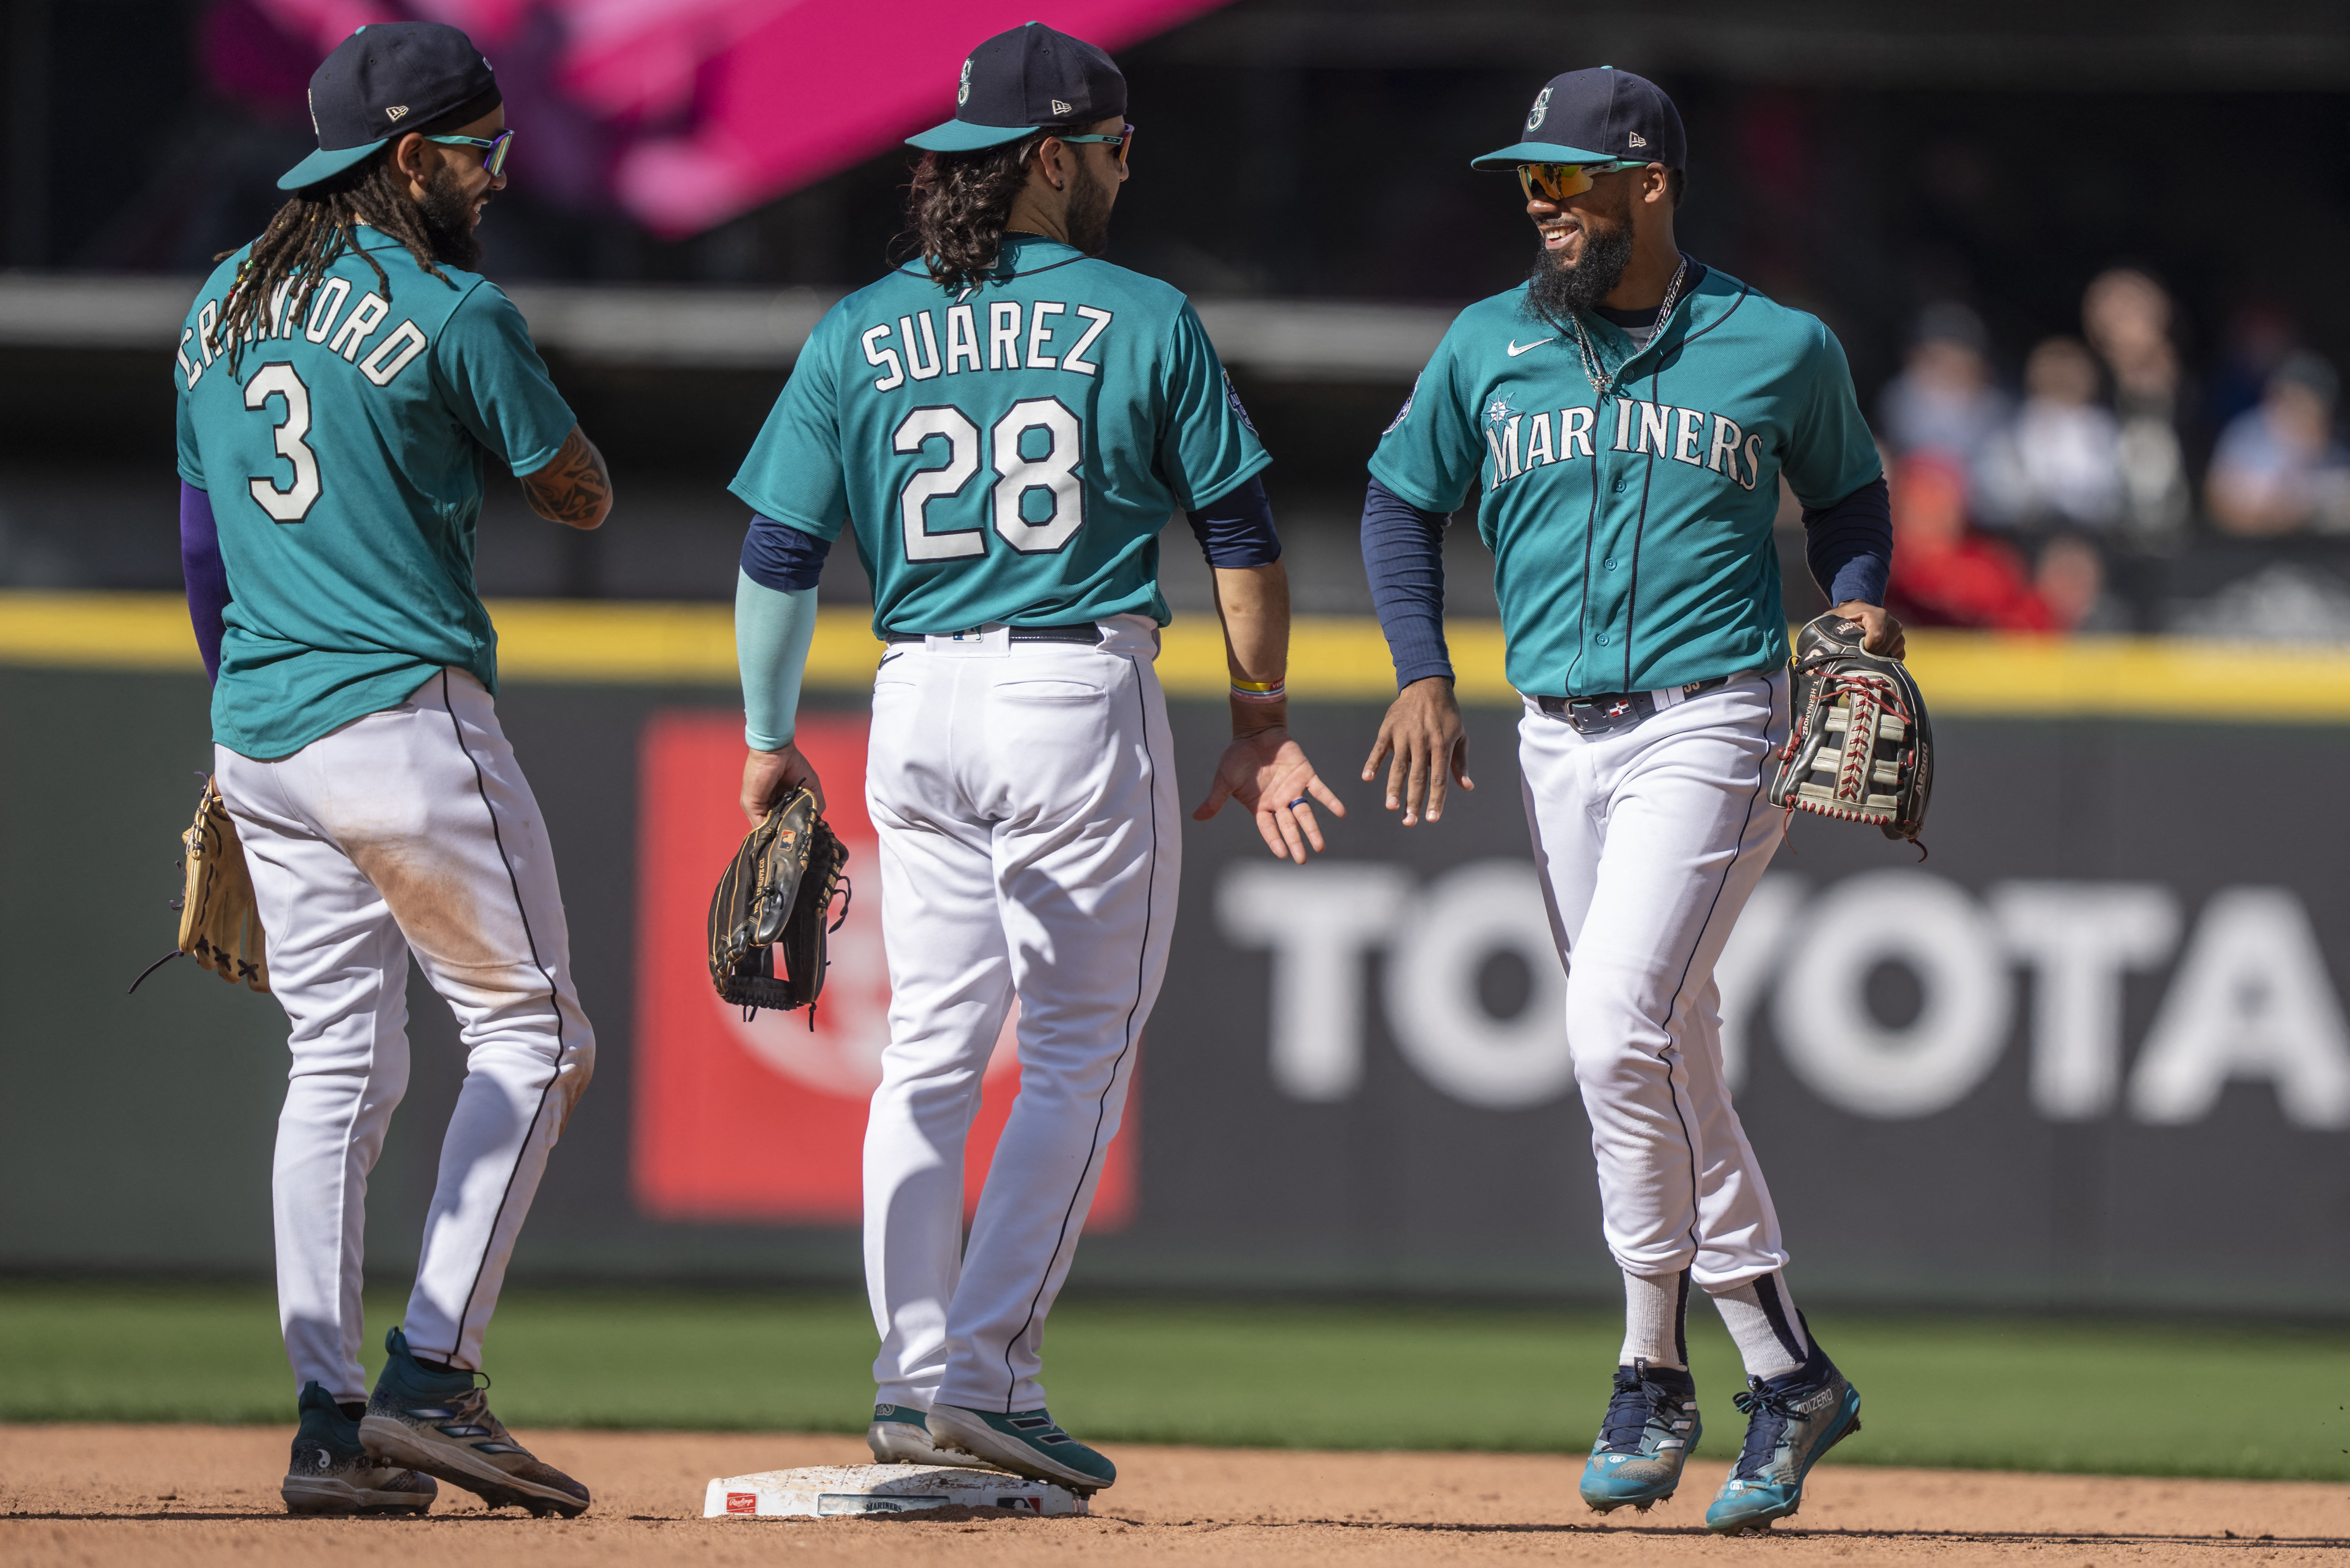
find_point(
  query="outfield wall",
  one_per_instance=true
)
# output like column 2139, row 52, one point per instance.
column 2092, row 1052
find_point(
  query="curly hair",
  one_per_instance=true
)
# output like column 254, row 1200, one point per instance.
column 310, row 233
column 957, row 204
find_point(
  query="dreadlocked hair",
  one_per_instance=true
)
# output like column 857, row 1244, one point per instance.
column 308, row 234
column 957, row 204
column 311, row 232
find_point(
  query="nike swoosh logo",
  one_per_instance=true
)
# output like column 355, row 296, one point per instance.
column 1517, row 348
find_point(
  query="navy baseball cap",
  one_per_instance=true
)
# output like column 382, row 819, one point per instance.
column 383, row 79
column 1599, row 116
column 1025, row 81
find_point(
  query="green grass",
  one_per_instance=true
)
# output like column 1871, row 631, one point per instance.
column 2071, row 1395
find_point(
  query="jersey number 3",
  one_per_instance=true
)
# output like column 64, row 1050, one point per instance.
column 1053, row 474
column 285, row 506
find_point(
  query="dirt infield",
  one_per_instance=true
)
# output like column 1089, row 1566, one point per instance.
column 148, row 1495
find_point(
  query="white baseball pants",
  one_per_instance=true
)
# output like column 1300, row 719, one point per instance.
column 409, row 829
column 1648, row 842
column 1024, row 793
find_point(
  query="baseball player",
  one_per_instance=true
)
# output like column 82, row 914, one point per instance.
column 1008, row 423
column 339, row 380
column 1630, row 413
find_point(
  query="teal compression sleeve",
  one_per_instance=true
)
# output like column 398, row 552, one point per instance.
column 772, row 633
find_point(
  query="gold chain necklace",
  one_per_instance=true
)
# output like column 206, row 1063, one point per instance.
column 1591, row 372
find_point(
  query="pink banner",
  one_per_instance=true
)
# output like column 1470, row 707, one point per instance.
column 717, row 106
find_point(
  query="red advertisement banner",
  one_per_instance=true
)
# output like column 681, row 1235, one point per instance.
column 763, row 1120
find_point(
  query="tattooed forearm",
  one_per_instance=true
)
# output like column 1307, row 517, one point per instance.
column 575, row 488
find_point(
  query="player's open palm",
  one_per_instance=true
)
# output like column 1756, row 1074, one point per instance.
column 1267, row 772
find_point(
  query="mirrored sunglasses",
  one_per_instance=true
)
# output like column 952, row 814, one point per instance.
column 494, row 150
column 1557, row 182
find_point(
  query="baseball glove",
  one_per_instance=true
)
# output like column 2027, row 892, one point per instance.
column 767, row 919
column 1860, row 748
column 218, row 926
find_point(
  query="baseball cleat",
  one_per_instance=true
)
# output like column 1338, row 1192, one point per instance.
column 1025, row 1442
column 438, row 1422
column 1790, row 1421
column 331, row 1473
column 898, row 1436
column 1649, row 1429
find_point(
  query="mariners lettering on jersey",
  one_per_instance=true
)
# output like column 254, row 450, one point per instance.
column 1037, row 334
column 1518, row 443
column 350, row 334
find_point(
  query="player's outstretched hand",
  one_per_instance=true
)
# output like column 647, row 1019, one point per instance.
column 1422, row 739
column 767, row 775
column 1268, row 773
column 1883, row 628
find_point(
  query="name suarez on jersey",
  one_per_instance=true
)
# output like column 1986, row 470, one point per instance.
column 1031, row 335
column 349, row 335
column 1520, row 443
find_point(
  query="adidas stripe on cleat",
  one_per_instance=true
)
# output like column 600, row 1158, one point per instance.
column 1025, row 1442
column 438, row 1422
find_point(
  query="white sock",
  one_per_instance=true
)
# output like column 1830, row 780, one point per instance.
column 1761, row 1316
column 1655, row 1307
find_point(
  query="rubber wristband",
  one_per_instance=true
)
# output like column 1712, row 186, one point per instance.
column 1260, row 691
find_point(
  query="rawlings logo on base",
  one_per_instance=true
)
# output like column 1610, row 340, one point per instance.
column 741, row 1503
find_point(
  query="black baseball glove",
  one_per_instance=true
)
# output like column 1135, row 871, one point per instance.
column 768, row 918
column 1860, row 748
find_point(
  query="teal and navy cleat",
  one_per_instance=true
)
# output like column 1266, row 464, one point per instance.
column 438, row 1422
column 331, row 1473
column 1649, row 1429
column 1025, row 1442
column 898, row 1436
column 1790, row 1421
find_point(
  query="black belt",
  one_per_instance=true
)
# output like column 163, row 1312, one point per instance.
column 1609, row 711
column 1085, row 631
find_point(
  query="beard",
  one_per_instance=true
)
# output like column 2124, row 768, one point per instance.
column 447, row 215
column 1088, row 216
column 1557, row 290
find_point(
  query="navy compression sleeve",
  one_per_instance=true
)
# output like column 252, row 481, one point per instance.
column 1403, row 556
column 779, row 557
column 1236, row 528
column 205, row 574
column 1849, row 545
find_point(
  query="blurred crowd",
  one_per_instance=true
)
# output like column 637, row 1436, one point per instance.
column 2012, row 513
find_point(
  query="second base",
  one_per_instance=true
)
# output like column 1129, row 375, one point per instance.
column 826, row 1492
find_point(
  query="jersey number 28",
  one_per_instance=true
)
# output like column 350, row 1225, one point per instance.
column 1017, row 476
column 285, row 506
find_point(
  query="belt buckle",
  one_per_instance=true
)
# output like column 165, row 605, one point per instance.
column 1604, row 715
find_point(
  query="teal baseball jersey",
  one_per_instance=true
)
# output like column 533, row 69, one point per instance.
column 343, row 457
column 1632, row 534
column 1006, row 454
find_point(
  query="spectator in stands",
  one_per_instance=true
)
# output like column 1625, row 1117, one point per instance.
column 2278, row 468
column 1944, row 574
column 2260, row 334
column 2058, row 462
column 1945, row 399
column 2128, row 317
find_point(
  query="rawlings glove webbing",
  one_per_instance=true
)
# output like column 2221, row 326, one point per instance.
column 1860, row 748
column 768, row 918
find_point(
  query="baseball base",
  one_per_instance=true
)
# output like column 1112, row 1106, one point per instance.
column 827, row 1492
